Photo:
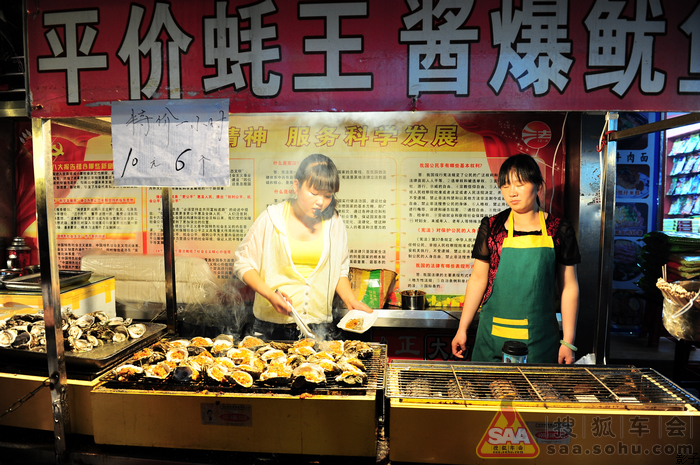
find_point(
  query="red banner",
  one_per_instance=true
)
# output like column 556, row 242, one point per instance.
column 389, row 55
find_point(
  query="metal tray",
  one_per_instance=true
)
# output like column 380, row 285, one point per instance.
column 32, row 282
column 94, row 361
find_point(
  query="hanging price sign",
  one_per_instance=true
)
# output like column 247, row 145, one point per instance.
column 179, row 143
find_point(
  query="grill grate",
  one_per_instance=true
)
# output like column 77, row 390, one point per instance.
column 587, row 387
column 375, row 369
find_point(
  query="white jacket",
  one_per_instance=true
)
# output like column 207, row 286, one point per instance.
column 265, row 249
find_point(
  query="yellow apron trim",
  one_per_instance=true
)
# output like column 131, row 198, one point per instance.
column 507, row 321
column 544, row 240
column 510, row 333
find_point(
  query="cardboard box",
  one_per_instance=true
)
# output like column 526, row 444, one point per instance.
column 95, row 295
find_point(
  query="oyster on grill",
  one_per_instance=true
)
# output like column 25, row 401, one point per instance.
column 272, row 354
column 199, row 341
column 304, row 351
column 308, row 375
column 128, row 372
column 357, row 349
column 294, row 361
column 276, row 374
column 352, row 377
column 159, row 371
column 250, row 341
column 217, row 372
column 221, row 346
column 240, row 356
column 240, row 378
column 255, row 367
column 177, row 354
column 185, row 373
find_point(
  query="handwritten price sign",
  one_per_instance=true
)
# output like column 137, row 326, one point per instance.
column 181, row 143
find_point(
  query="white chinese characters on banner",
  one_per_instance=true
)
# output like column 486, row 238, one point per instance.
column 170, row 143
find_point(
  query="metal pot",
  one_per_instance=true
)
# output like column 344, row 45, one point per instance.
column 413, row 300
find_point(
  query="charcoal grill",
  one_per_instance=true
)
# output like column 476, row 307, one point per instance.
column 463, row 413
column 624, row 387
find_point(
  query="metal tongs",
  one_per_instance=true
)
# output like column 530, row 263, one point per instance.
column 301, row 324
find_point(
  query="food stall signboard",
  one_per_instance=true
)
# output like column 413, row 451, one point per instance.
column 180, row 143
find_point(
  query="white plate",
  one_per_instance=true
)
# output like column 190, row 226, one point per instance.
column 369, row 319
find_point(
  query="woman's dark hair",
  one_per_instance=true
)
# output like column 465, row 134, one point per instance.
column 320, row 173
column 525, row 169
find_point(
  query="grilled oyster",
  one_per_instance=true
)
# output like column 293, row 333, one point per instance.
column 351, row 377
column 240, row 378
column 159, row 371
column 306, row 342
column 304, row 351
column 335, row 348
column 354, row 361
column 240, row 356
column 199, row 341
column 308, row 375
column 276, row 374
column 272, row 354
column 177, row 354
column 255, row 367
column 357, row 349
column 294, row 361
column 221, row 346
column 250, row 341
column 128, row 372
column 329, row 367
column 225, row 361
column 217, row 372
column 180, row 342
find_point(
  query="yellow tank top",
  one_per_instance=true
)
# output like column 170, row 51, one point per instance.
column 305, row 254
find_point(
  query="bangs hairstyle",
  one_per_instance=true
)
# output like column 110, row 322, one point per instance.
column 524, row 168
column 320, row 173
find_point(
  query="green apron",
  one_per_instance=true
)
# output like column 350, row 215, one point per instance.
column 521, row 305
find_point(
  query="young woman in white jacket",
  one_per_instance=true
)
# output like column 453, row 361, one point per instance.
column 297, row 251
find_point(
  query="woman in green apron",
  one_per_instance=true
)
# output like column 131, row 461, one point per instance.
column 523, row 256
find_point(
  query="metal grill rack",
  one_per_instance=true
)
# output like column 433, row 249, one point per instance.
column 585, row 386
column 375, row 369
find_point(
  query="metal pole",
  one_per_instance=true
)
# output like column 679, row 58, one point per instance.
column 607, row 231
column 169, row 257
column 50, row 286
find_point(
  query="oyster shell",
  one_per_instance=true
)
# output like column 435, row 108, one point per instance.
column 180, row 343
column 306, row 342
column 240, row 356
column 217, row 372
column 7, row 337
column 335, row 348
column 240, row 378
column 351, row 378
column 185, row 373
column 22, row 341
column 304, row 351
column 294, row 361
column 221, row 346
column 250, row 341
column 120, row 333
column 136, row 330
column 159, row 371
column 358, row 349
column 177, row 354
column 199, row 341
column 255, row 367
column 272, row 354
column 128, row 372
column 308, row 375
column 225, row 361
column 276, row 374
column 85, row 321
